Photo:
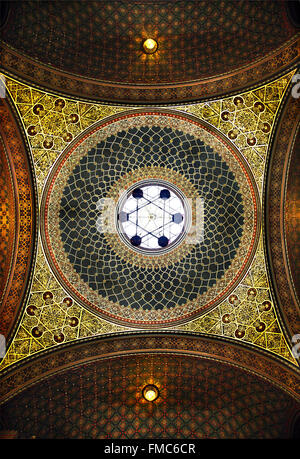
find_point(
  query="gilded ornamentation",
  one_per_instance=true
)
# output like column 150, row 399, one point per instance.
column 239, row 317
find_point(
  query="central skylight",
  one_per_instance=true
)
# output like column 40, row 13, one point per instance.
column 152, row 216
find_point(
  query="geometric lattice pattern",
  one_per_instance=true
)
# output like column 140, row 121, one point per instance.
column 248, row 315
column 105, row 41
column 97, row 275
column 198, row 399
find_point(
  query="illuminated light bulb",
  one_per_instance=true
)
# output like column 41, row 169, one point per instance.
column 150, row 46
column 150, row 393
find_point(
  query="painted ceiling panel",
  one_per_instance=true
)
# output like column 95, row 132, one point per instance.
column 149, row 220
column 103, row 40
column 199, row 398
column 18, row 222
column 94, row 49
column 53, row 317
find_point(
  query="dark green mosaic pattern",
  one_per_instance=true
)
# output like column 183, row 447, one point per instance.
column 101, row 268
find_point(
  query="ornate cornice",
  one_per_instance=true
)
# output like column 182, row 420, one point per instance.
column 31, row 371
column 23, row 225
column 41, row 75
column 281, row 152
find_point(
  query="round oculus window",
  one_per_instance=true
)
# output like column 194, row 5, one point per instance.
column 153, row 216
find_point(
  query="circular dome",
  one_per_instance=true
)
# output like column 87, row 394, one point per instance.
column 118, row 170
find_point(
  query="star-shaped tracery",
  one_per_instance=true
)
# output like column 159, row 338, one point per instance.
column 152, row 216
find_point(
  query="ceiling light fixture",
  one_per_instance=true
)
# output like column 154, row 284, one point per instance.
column 150, row 393
column 150, row 46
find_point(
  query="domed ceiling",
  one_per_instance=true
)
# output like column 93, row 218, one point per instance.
column 103, row 40
column 188, row 406
column 98, row 45
column 86, row 283
column 155, row 289
column 149, row 218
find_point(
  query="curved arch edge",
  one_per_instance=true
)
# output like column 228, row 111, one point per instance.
column 26, row 374
column 25, row 225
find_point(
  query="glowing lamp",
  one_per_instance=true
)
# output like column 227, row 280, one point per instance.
column 150, row 393
column 150, row 46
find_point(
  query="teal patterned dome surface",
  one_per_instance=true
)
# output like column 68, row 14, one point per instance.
column 147, row 288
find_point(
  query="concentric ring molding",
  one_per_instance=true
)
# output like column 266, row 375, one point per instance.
column 107, row 277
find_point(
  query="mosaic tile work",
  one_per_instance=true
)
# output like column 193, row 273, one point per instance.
column 84, row 405
column 94, row 274
column 248, row 314
column 210, row 37
column 247, row 120
column 245, row 312
column 51, row 318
